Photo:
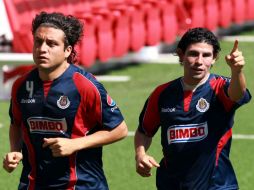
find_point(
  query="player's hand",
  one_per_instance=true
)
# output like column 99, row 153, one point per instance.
column 12, row 160
column 60, row 146
column 144, row 164
column 235, row 59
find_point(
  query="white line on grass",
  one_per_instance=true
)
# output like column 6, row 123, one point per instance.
column 112, row 78
column 1, row 125
column 241, row 136
column 239, row 38
column 235, row 136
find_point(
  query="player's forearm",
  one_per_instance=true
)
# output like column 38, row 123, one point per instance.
column 102, row 137
column 237, row 86
column 15, row 138
column 141, row 143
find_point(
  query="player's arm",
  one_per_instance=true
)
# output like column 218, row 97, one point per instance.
column 237, row 86
column 144, row 162
column 12, row 159
column 65, row 147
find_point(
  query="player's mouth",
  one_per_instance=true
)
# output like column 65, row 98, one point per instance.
column 197, row 69
column 42, row 58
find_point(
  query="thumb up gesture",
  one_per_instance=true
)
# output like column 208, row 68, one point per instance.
column 235, row 59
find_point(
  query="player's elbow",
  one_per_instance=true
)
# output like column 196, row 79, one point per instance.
column 123, row 130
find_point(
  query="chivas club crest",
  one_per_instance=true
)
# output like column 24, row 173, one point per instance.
column 202, row 105
column 63, row 102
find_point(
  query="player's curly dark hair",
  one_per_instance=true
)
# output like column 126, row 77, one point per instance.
column 197, row 35
column 71, row 26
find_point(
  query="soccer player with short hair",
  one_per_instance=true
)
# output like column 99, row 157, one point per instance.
column 195, row 113
column 61, row 116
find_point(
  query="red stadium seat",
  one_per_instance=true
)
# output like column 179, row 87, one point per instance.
column 88, row 45
column 183, row 17
column 104, row 21
column 225, row 13
column 249, row 9
column 153, row 21
column 196, row 11
column 20, row 20
column 211, row 14
column 63, row 6
column 137, row 24
column 169, row 22
column 239, row 11
column 121, row 29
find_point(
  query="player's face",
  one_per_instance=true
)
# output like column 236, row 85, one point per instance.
column 48, row 49
column 197, row 61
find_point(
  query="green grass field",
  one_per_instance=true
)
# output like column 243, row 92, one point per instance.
column 119, row 163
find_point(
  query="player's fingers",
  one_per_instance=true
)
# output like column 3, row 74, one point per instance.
column 141, row 170
column 144, row 174
column 48, row 142
column 154, row 163
column 235, row 47
column 146, row 165
column 18, row 156
column 9, row 167
column 228, row 57
column 10, row 158
column 239, row 59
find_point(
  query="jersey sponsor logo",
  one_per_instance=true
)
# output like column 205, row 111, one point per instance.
column 110, row 101
column 187, row 133
column 202, row 105
column 167, row 110
column 63, row 102
column 47, row 125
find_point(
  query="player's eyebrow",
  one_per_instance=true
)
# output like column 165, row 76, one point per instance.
column 196, row 53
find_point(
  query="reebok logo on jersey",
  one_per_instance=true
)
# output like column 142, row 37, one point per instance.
column 27, row 101
column 167, row 110
column 47, row 125
column 187, row 133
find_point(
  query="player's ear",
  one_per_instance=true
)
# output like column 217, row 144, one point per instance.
column 68, row 51
column 180, row 54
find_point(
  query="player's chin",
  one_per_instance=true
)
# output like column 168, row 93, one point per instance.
column 43, row 64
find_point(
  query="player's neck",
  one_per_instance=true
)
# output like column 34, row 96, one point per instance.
column 193, row 87
column 50, row 74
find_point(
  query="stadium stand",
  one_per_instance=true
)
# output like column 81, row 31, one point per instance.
column 116, row 28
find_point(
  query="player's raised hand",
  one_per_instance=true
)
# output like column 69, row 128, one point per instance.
column 60, row 146
column 12, row 160
column 144, row 164
column 235, row 59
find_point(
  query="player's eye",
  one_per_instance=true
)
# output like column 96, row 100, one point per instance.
column 51, row 43
column 207, row 54
column 193, row 53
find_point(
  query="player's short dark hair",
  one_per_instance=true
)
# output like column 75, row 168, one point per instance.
column 197, row 35
column 70, row 25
